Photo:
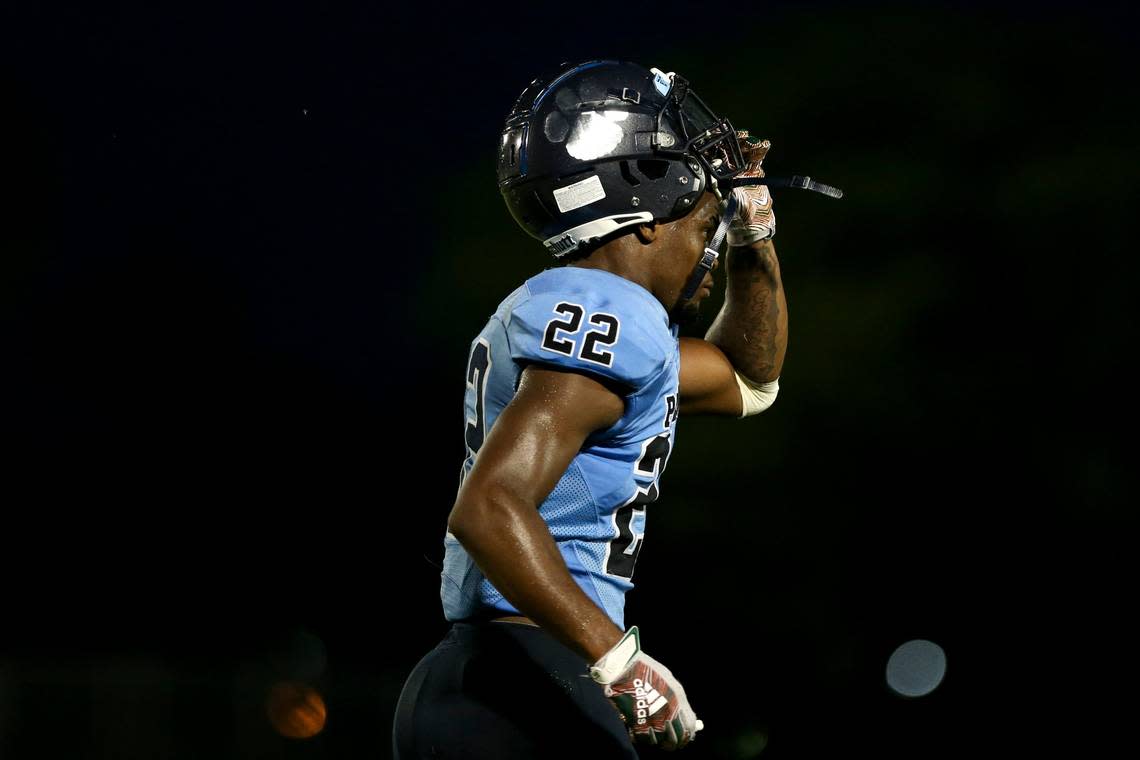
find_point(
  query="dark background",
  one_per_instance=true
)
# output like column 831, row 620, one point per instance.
column 245, row 252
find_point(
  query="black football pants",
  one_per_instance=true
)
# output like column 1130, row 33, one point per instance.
column 501, row 691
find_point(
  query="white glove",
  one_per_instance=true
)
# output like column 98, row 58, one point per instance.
column 754, row 219
column 650, row 699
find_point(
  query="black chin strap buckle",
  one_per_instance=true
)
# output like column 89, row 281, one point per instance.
column 704, row 266
column 708, row 259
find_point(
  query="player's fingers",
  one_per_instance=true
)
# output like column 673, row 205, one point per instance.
column 743, row 202
column 683, row 736
column 758, row 148
column 759, row 197
column 754, row 154
column 649, row 736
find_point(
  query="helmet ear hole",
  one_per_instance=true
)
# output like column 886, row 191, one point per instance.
column 627, row 175
column 652, row 168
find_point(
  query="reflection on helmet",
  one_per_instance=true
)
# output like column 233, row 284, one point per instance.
column 605, row 145
column 595, row 134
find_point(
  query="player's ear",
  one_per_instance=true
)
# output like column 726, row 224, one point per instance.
column 647, row 232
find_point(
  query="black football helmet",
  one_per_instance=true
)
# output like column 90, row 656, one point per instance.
column 604, row 145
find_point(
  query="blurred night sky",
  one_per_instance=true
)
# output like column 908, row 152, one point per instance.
column 245, row 252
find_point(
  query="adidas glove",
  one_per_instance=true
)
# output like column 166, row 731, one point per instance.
column 755, row 219
column 650, row 700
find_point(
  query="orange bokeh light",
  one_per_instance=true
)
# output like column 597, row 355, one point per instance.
column 295, row 710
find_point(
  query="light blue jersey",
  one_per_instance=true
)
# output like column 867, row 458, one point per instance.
column 592, row 321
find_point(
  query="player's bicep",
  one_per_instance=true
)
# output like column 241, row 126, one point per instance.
column 540, row 431
column 707, row 380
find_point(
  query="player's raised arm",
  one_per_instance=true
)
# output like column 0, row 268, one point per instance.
column 752, row 327
column 496, row 515
column 734, row 370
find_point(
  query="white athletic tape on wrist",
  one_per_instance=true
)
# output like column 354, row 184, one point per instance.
column 756, row 397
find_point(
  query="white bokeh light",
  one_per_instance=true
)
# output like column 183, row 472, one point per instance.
column 916, row 668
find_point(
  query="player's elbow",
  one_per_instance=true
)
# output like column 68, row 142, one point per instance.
column 463, row 520
column 756, row 397
column 482, row 510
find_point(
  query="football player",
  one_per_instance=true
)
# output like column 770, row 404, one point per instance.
column 574, row 389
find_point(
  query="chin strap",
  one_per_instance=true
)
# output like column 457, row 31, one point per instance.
column 708, row 259
column 796, row 181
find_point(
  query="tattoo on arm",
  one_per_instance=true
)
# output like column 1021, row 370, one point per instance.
column 752, row 327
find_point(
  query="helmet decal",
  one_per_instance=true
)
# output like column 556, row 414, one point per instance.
column 662, row 81
column 579, row 194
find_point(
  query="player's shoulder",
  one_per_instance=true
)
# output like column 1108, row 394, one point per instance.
column 599, row 291
column 592, row 320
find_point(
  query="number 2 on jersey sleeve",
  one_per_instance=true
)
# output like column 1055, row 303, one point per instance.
column 477, row 368
column 621, row 555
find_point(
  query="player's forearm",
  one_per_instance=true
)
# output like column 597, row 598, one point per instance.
column 512, row 545
column 752, row 327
